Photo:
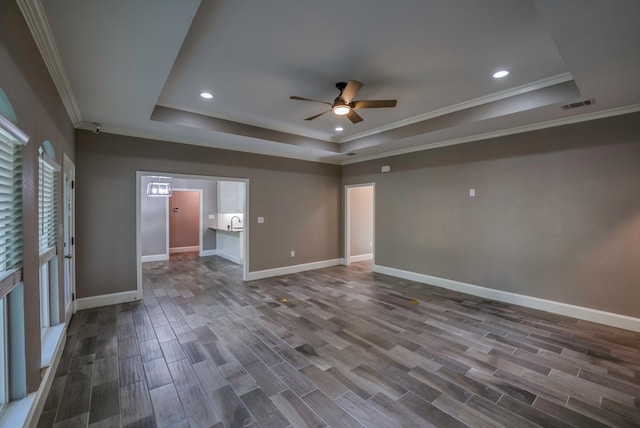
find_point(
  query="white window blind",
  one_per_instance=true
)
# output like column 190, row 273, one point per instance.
column 11, row 142
column 47, row 203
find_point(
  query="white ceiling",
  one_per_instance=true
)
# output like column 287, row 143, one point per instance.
column 138, row 67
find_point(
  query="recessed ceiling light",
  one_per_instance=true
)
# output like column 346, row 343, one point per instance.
column 339, row 128
column 500, row 74
column 207, row 95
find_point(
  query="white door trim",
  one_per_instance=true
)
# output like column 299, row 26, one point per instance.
column 347, row 221
column 69, row 172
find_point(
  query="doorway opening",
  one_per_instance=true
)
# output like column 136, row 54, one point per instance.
column 219, row 224
column 359, row 233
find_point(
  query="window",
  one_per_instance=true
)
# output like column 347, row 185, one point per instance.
column 47, row 231
column 47, row 197
column 11, row 142
column 10, row 209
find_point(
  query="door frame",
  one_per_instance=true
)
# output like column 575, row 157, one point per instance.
column 347, row 221
column 69, row 172
column 200, row 218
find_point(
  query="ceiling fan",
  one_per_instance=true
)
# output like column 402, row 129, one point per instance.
column 344, row 105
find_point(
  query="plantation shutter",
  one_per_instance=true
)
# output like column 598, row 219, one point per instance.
column 47, row 203
column 11, row 142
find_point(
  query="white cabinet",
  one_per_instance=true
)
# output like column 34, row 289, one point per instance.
column 230, row 197
column 230, row 245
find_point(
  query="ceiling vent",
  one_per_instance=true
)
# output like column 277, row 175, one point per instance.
column 578, row 104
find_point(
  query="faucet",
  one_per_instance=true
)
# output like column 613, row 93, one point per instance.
column 239, row 221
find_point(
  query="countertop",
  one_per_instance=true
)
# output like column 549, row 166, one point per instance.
column 235, row 229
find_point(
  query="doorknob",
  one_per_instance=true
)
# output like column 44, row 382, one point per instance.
column 68, row 256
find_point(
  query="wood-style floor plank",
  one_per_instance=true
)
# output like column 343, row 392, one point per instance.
column 135, row 404
column 198, row 407
column 167, row 407
column 329, row 411
column 336, row 347
column 105, row 401
column 295, row 411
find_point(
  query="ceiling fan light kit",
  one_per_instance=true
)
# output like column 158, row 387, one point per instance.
column 341, row 110
column 344, row 105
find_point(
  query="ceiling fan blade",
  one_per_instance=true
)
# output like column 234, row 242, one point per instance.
column 350, row 91
column 374, row 103
column 308, row 99
column 317, row 115
column 353, row 116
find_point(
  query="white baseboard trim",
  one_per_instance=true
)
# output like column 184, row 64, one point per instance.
column 155, row 258
column 205, row 253
column 285, row 270
column 234, row 259
column 580, row 312
column 184, row 249
column 107, row 299
column 360, row 258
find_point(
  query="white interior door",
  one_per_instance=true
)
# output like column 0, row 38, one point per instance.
column 69, row 237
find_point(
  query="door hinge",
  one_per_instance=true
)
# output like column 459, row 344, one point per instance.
column 73, row 241
column 73, row 296
column 73, row 184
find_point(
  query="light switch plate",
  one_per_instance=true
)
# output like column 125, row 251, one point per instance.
column 260, row 220
column 385, row 168
column 472, row 193
column 212, row 216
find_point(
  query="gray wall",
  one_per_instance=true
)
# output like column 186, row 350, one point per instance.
column 361, row 220
column 556, row 216
column 299, row 200
column 153, row 212
column 153, row 222
column 41, row 114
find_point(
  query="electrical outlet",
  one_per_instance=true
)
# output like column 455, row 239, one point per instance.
column 260, row 220
column 293, row 253
column 472, row 193
column 212, row 216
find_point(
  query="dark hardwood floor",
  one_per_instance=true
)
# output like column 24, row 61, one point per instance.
column 339, row 347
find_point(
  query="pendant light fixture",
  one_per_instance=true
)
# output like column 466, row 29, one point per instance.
column 159, row 186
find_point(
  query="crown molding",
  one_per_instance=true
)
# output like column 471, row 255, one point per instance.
column 37, row 22
column 316, row 135
column 497, row 96
column 478, row 137
column 159, row 136
column 634, row 108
